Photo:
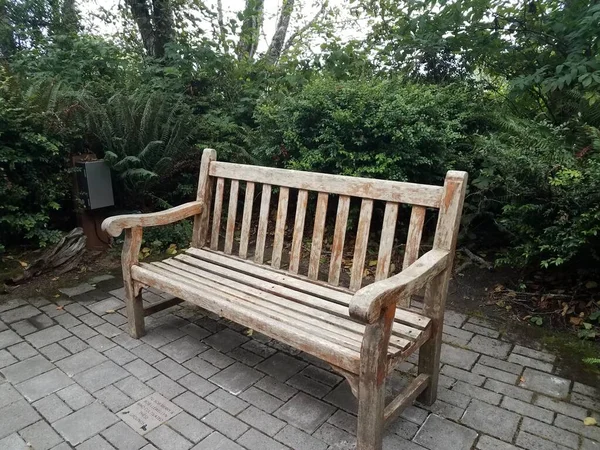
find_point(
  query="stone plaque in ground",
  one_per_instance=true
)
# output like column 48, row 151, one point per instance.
column 149, row 413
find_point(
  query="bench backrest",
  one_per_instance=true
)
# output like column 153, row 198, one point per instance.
column 211, row 191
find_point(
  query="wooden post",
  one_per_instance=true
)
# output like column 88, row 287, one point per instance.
column 204, row 194
column 371, row 384
column 133, row 298
column 436, row 291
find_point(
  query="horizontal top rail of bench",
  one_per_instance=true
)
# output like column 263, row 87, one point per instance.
column 390, row 191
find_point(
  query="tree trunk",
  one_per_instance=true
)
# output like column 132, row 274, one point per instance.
column 250, row 32
column 141, row 15
column 162, row 17
column 70, row 17
column 8, row 45
column 276, row 46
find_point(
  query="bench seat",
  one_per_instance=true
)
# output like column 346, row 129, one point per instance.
column 309, row 315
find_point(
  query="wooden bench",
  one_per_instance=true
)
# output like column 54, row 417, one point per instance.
column 363, row 333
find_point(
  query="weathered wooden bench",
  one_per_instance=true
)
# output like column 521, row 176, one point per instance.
column 362, row 333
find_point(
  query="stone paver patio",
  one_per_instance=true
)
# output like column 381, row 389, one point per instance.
column 70, row 377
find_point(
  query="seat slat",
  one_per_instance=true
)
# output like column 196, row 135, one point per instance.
column 360, row 247
column 294, row 282
column 317, row 237
column 389, row 191
column 296, row 250
column 246, row 219
column 255, row 318
column 339, row 235
column 217, row 210
column 415, row 231
column 231, row 216
column 386, row 244
column 263, row 221
column 282, row 208
column 308, row 305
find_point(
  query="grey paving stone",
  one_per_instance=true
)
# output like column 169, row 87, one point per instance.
column 165, row 438
column 489, row 346
column 343, row 398
column 245, row 356
column 11, row 304
column 531, row 442
column 24, row 327
column 528, row 362
column 236, row 378
column 172, row 369
column 577, row 426
column 119, row 355
column 216, row 441
column 438, row 433
column 276, row 388
column 527, row 409
column 44, row 384
column 262, row 421
column 193, row 404
column 550, row 433
column 227, row 402
column 461, row 335
column 183, row 349
column 101, row 343
column 123, row 437
column 216, row 358
column 74, row 344
column 17, row 314
column 496, row 374
column 154, row 338
column 108, row 330
column 91, row 319
column 119, row 293
column 67, row 320
column 148, row 353
column 488, row 332
column 499, row 364
column 47, row 336
column 255, row 440
column 510, row 390
column 393, row 442
column 116, row 319
column 225, row 423
column 491, row 420
column 201, row 367
column 54, row 352
column 75, row 396
column 261, row 399
column 165, row 386
column 40, row 436
column 190, row 427
column 453, row 397
column 100, row 376
column 141, row 369
column 77, row 290
column 590, row 445
column 347, row 422
column 561, row 407
column 490, row 443
column 83, row 424
column 52, row 310
column 8, row 338
column 585, row 401
column 403, row 428
column 109, row 304
column 16, row 416
column 95, row 443
column 454, row 319
column 27, row 369
column 8, row 394
column 259, row 348
column 6, row 359
column 299, row 440
column 134, row 388
column 52, row 408
column 544, row 383
column 309, row 385
column 446, row 410
column 22, row 350
column 126, row 341
column 226, row 340
column 305, row 412
column 197, row 384
column 321, row 375
column 335, row 436
column 76, row 309
column 195, row 331
column 586, row 390
column 113, row 398
column 459, row 374
column 542, row 356
column 13, row 442
column 281, row 366
column 476, row 392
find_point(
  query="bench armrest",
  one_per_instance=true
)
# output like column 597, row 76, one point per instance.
column 367, row 303
column 116, row 224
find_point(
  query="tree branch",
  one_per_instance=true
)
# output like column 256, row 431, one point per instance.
column 299, row 32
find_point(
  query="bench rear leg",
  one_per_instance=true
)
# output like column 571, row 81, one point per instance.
column 133, row 297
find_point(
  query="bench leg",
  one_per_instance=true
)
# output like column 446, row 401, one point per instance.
column 371, row 403
column 133, row 299
column 429, row 353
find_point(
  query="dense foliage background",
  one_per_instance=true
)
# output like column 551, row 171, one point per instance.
column 507, row 91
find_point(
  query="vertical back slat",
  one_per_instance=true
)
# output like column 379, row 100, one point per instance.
column 386, row 243
column 360, row 248
column 317, row 237
column 263, row 221
column 231, row 215
column 339, row 236
column 205, row 188
column 246, row 219
column 282, row 208
column 216, row 225
column 415, row 231
column 296, row 250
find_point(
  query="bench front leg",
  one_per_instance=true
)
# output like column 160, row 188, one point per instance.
column 371, row 386
column 133, row 297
